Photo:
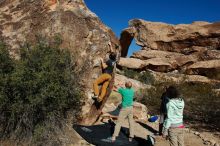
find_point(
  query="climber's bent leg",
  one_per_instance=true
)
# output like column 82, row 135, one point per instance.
column 102, row 78
column 107, row 78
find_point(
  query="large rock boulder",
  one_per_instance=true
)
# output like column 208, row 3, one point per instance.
column 177, row 59
column 112, row 110
column 80, row 30
column 121, row 80
column 161, row 64
column 162, row 36
column 210, row 68
column 166, row 47
column 148, row 54
column 180, row 78
column 132, row 63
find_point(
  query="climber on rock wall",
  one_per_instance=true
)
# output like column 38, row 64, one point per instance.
column 105, row 77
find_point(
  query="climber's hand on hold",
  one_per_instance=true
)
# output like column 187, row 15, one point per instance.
column 110, row 46
column 101, row 60
column 115, row 89
column 121, row 85
column 103, row 64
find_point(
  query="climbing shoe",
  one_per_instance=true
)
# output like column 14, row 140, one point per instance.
column 95, row 97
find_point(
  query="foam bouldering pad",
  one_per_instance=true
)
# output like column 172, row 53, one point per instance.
column 100, row 135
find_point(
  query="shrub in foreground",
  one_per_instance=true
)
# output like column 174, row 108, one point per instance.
column 36, row 91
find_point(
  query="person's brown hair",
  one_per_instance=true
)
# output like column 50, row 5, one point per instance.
column 172, row 92
column 112, row 56
column 128, row 84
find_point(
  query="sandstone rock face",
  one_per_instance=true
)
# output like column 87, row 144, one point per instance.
column 206, row 64
column 161, row 36
column 80, row 30
column 140, row 111
column 210, row 68
column 120, row 80
column 132, row 63
column 166, row 48
column 180, row 78
column 149, row 54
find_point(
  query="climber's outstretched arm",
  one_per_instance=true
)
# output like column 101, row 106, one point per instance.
column 110, row 47
column 103, row 64
column 116, row 87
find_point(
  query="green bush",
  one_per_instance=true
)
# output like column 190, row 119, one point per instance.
column 151, row 97
column 201, row 103
column 6, row 63
column 145, row 77
column 130, row 73
column 40, row 86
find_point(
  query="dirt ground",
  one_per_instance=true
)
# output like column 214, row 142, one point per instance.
column 190, row 140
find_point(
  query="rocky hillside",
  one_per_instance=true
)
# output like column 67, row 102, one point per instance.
column 71, row 22
column 168, row 51
column 185, row 55
column 191, row 49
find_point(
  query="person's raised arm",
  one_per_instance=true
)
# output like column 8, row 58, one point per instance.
column 110, row 47
column 116, row 87
column 103, row 64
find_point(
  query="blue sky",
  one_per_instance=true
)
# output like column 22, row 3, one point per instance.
column 117, row 13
